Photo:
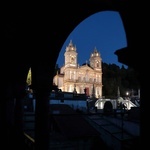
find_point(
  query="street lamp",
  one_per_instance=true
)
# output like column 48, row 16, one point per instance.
column 127, row 93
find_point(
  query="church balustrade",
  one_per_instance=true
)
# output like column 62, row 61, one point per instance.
column 81, row 81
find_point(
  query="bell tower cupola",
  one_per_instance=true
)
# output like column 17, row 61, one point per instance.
column 95, row 60
column 70, row 55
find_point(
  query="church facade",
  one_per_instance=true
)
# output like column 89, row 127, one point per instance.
column 86, row 78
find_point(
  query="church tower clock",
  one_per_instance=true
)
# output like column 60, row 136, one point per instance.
column 70, row 55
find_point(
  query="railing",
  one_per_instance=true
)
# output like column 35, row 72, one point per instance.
column 29, row 141
column 29, row 130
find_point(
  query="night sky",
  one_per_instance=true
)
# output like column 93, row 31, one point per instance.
column 103, row 30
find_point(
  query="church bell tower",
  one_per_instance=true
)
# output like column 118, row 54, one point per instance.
column 95, row 60
column 70, row 55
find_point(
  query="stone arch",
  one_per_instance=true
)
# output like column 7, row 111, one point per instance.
column 27, row 38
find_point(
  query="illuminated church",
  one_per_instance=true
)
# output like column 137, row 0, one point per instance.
column 86, row 78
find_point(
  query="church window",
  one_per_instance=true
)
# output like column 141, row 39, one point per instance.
column 84, row 79
column 79, row 78
column 97, row 64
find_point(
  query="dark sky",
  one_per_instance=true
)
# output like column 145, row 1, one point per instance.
column 103, row 30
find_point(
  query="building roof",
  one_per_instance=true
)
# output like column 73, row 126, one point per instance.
column 70, row 123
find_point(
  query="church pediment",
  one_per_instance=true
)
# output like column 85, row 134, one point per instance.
column 86, row 67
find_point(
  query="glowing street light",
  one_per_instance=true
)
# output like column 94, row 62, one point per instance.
column 127, row 93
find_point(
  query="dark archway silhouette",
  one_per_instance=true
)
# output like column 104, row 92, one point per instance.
column 33, row 37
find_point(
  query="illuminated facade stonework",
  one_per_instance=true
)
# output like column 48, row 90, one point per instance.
column 86, row 78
